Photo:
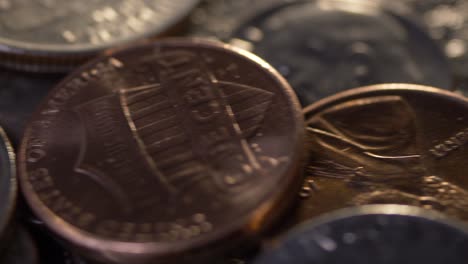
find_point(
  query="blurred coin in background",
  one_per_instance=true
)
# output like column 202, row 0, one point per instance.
column 379, row 234
column 326, row 46
column 395, row 143
column 56, row 35
column 172, row 151
column 8, row 188
column 447, row 22
column 219, row 18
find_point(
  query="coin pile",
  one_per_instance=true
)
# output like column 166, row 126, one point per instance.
column 233, row 132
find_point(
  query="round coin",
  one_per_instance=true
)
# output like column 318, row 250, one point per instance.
column 53, row 35
column 381, row 234
column 326, row 46
column 160, row 151
column 8, row 187
column 390, row 143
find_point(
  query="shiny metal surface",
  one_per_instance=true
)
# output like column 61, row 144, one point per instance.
column 392, row 143
column 326, row 46
column 181, row 147
column 59, row 32
column 8, row 185
column 447, row 22
column 379, row 234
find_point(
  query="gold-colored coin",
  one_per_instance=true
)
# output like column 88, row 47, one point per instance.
column 393, row 143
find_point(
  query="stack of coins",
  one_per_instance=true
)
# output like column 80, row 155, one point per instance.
column 233, row 132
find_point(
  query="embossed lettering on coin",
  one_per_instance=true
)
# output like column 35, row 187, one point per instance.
column 384, row 144
column 164, row 143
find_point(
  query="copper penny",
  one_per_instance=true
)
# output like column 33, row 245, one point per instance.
column 391, row 143
column 158, row 152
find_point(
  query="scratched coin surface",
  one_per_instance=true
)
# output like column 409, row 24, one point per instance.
column 36, row 32
column 380, row 234
column 163, row 148
column 391, row 143
column 324, row 47
column 8, row 185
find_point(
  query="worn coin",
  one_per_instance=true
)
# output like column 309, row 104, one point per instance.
column 160, row 151
column 55, row 35
column 324, row 47
column 380, row 234
column 8, row 185
column 390, row 143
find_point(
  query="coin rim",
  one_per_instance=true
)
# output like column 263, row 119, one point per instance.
column 249, row 224
column 10, row 170
column 10, row 46
column 374, row 90
column 369, row 210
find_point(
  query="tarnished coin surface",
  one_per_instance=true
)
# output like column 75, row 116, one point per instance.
column 8, row 185
column 391, row 143
column 157, row 150
column 55, row 35
column 21, row 250
column 379, row 234
column 326, row 46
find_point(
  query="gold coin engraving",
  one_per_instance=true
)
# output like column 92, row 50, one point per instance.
column 373, row 146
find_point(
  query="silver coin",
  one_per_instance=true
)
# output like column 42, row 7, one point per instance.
column 8, row 184
column 447, row 22
column 66, row 30
column 324, row 47
column 376, row 234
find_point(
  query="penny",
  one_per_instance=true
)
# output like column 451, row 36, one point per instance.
column 163, row 150
column 8, row 188
column 380, row 234
column 324, row 47
column 21, row 250
column 390, row 143
column 52, row 35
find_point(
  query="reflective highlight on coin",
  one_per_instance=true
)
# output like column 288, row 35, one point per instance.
column 392, row 143
column 169, row 147
column 380, row 234
column 53, row 34
column 324, row 47
column 8, row 184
